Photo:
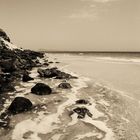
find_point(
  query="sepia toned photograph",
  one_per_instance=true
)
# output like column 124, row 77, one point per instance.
column 69, row 69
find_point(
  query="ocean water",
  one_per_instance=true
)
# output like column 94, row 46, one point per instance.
column 119, row 71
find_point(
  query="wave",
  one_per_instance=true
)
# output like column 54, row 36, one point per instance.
column 115, row 59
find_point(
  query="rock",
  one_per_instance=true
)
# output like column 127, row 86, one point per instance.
column 4, row 35
column 63, row 75
column 8, row 66
column 25, row 54
column 82, row 101
column 48, row 73
column 28, row 58
column 4, row 120
column 4, row 88
column 46, row 64
column 50, row 62
column 37, row 61
column 19, row 105
column 64, row 85
column 26, row 77
column 14, row 61
column 41, row 72
column 54, row 73
column 41, row 89
column 27, row 135
column 6, row 83
column 82, row 111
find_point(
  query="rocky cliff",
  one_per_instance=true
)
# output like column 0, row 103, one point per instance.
column 14, row 63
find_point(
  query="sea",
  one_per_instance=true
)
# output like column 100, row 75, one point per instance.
column 118, row 70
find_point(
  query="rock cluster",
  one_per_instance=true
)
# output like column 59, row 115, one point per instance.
column 14, row 63
column 14, row 66
column 54, row 73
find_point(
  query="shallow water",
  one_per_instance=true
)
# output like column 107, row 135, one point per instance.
column 120, row 73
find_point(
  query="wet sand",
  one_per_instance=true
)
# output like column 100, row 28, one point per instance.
column 115, row 116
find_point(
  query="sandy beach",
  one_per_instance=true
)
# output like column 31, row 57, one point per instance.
column 70, row 70
column 114, row 108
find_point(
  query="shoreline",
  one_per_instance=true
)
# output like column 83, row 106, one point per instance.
column 72, row 97
column 104, row 121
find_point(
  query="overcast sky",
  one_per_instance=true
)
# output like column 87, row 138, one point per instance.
column 97, row 25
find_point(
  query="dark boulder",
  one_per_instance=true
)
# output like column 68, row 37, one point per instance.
column 8, row 66
column 26, row 77
column 81, row 112
column 54, row 73
column 4, row 88
column 50, row 62
column 48, row 73
column 6, row 83
column 82, row 101
column 64, row 85
column 19, row 105
column 41, row 89
column 63, row 75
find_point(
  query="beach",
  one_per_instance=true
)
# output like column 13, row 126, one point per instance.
column 110, row 86
column 115, row 74
column 70, row 70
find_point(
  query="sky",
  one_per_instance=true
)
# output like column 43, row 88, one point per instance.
column 72, row 25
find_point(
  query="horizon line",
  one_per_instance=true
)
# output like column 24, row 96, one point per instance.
column 90, row 51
